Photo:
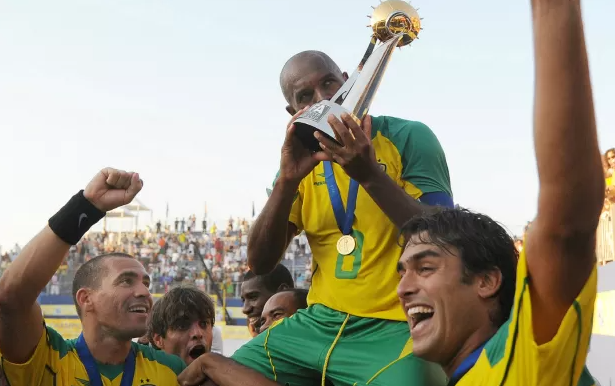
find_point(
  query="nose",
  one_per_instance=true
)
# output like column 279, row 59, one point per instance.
column 196, row 331
column 247, row 308
column 407, row 285
column 321, row 95
column 142, row 291
column 264, row 327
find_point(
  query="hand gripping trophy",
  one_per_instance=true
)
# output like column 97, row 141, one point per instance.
column 395, row 23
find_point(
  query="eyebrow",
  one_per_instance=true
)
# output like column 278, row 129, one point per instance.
column 132, row 275
column 276, row 310
column 302, row 88
column 423, row 254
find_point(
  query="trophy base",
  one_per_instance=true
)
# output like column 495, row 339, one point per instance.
column 315, row 119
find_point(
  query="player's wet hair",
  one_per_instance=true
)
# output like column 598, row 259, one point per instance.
column 178, row 309
column 274, row 279
column 483, row 245
column 90, row 274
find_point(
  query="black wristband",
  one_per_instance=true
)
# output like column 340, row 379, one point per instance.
column 75, row 219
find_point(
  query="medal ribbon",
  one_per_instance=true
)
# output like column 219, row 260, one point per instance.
column 343, row 217
column 466, row 365
column 90, row 364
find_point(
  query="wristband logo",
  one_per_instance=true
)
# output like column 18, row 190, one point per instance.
column 82, row 216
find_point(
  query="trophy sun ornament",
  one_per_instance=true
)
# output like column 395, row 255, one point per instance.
column 395, row 23
column 395, row 17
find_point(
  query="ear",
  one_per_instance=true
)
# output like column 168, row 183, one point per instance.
column 84, row 299
column 158, row 341
column 489, row 283
column 290, row 110
column 345, row 75
column 283, row 287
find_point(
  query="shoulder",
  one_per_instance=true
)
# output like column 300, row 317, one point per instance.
column 398, row 128
column 407, row 136
column 57, row 342
column 175, row 363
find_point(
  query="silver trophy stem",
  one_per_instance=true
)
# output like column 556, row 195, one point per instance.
column 363, row 91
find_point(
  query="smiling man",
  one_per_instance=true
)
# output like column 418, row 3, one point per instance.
column 256, row 291
column 485, row 317
column 110, row 293
column 283, row 305
column 181, row 323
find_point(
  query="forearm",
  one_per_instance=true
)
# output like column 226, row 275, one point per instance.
column 269, row 235
column 569, row 164
column 392, row 199
column 26, row 277
column 226, row 372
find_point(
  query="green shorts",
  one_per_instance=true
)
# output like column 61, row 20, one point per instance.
column 347, row 349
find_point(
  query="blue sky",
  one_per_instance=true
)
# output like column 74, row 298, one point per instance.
column 186, row 93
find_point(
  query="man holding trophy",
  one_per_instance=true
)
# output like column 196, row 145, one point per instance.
column 350, row 181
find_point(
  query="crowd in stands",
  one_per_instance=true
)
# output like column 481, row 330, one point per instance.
column 213, row 260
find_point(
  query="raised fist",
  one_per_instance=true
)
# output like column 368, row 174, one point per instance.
column 112, row 188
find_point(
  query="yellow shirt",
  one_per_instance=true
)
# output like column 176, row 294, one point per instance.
column 55, row 362
column 512, row 357
column 364, row 283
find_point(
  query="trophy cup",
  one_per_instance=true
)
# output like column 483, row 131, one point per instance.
column 395, row 23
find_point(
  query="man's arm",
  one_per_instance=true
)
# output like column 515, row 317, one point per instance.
column 221, row 371
column 358, row 159
column 21, row 321
column 560, row 248
column 395, row 202
column 272, row 232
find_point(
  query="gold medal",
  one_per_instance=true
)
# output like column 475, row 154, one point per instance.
column 346, row 245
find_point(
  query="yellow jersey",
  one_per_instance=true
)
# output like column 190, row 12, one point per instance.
column 364, row 283
column 511, row 356
column 55, row 362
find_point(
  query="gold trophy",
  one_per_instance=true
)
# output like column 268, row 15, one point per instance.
column 395, row 23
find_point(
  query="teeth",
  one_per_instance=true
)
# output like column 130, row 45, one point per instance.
column 137, row 309
column 420, row 310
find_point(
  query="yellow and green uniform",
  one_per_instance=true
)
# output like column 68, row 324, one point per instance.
column 55, row 362
column 511, row 356
column 355, row 295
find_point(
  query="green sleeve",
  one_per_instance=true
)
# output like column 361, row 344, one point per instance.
column 423, row 160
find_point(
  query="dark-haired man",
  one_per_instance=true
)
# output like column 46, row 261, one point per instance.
column 282, row 305
column 256, row 290
column 350, row 199
column 111, row 295
column 460, row 278
column 181, row 323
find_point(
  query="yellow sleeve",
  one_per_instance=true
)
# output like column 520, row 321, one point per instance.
column 562, row 360
column 42, row 367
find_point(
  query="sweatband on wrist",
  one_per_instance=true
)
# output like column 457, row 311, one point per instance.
column 75, row 219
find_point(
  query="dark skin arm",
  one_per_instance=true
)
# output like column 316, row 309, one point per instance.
column 213, row 369
column 561, row 241
column 272, row 232
column 358, row 158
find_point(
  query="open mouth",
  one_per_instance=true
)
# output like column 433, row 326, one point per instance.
column 419, row 315
column 138, row 309
column 197, row 351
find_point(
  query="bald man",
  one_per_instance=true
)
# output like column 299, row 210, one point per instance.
column 282, row 305
column 390, row 169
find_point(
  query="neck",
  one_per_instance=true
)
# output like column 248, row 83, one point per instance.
column 104, row 347
column 472, row 343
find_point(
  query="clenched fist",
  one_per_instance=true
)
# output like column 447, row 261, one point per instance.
column 112, row 188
